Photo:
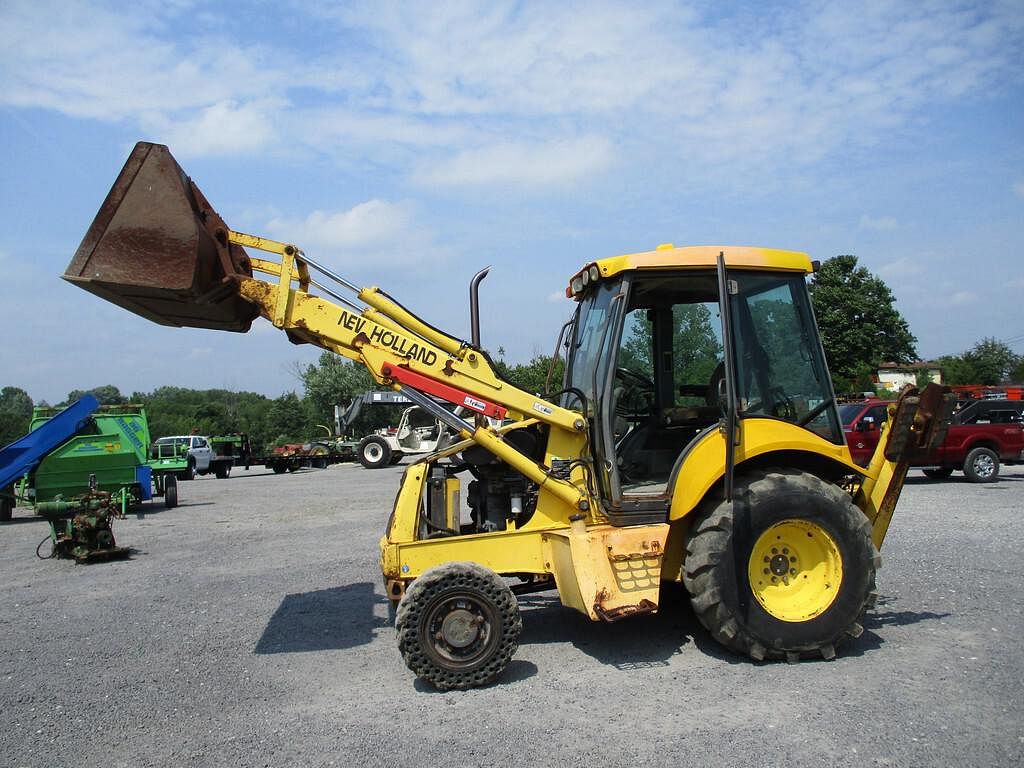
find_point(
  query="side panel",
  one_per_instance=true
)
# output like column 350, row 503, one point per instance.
column 606, row 572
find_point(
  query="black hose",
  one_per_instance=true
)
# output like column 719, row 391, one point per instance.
column 53, row 550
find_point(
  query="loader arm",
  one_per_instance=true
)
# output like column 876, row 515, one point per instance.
column 159, row 249
column 917, row 424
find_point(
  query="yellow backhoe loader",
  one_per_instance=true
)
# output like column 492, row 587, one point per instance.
column 695, row 437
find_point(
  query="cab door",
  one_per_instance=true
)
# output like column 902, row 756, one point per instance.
column 202, row 453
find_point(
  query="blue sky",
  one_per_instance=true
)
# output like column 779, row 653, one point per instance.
column 409, row 145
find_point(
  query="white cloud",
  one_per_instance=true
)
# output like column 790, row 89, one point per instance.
column 373, row 236
column 879, row 223
column 367, row 224
column 901, row 269
column 554, row 163
column 493, row 89
column 87, row 60
column 961, row 298
column 223, row 128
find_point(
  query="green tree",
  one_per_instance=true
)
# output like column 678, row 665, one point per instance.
column 107, row 394
column 989, row 361
column 859, row 323
column 533, row 376
column 696, row 349
column 332, row 381
column 289, row 420
column 1017, row 374
column 15, row 414
column 179, row 411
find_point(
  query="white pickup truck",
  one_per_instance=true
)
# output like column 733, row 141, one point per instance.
column 188, row 456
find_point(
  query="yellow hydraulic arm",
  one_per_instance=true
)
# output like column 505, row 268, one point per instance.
column 158, row 248
column 401, row 351
column 917, row 424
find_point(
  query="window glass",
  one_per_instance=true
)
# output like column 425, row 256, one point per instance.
column 584, row 356
column 779, row 367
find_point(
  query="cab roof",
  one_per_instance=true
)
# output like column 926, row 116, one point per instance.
column 668, row 257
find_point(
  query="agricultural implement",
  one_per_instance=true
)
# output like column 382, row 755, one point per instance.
column 695, row 438
column 83, row 449
column 82, row 528
column 21, row 457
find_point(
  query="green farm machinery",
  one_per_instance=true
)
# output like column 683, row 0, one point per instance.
column 79, row 467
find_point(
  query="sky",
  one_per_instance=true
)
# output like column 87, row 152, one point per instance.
column 409, row 145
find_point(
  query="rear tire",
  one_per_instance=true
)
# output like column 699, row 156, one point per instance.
column 786, row 571
column 189, row 473
column 6, row 509
column 937, row 473
column 981, row 465
column 170, row 492
column 222, row 471
column 374, row 452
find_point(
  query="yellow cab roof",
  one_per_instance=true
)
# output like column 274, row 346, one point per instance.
column 669, row 257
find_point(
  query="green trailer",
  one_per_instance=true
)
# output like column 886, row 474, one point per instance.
column 108, row 454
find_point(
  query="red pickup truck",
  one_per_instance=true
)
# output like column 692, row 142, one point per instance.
column 982, row 435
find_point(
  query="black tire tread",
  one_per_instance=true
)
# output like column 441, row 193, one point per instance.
column 385, row 448
column 435, row 581
column 709, row 543
column 969, row 472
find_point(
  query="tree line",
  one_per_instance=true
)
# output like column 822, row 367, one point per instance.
column 859, row 324
column 289, row 418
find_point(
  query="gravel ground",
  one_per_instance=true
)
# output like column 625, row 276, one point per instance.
column 249, row 628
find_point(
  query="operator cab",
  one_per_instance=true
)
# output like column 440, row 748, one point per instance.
column 649, row 357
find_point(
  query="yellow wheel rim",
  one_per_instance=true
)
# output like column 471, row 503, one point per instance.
column 795, row 570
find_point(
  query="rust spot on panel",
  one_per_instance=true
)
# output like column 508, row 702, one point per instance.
column 625, row 611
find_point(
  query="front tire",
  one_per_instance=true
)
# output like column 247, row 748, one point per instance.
column 458, row 626
column 189, row 473
column 170, row 492
column 374, row 452
column 785, row 571
column 981, row 465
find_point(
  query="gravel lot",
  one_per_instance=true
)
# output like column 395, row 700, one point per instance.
column 250, row 628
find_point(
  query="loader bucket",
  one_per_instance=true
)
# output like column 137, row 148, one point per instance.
column 158, row 249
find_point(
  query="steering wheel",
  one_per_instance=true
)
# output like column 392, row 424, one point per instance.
column 640, row 381
column 782, row 406
column 636, row 395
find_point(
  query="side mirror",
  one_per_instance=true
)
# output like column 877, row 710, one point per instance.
column 866, row 424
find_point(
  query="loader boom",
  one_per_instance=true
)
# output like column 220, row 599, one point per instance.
column 159, row 249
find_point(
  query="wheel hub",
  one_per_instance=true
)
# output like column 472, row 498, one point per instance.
column 795, row 570
column 460, row 628
column 984, row 466
column 458, row 632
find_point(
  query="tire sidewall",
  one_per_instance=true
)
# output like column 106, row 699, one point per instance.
column 444, row 583
column 170, row 492
column 775, row 499
column 382, row 460
column 969, row 465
